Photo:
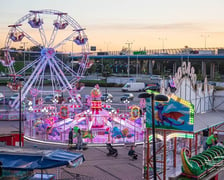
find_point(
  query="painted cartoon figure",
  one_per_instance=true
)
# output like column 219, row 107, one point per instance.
column 161, row 117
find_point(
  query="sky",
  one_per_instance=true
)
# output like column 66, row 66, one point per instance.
column 145, row 24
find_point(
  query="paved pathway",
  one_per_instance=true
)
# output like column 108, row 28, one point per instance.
column 100, row 166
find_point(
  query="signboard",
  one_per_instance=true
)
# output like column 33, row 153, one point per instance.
column 135, row 112
column 176, row 114
column 64, row 112
column 93, row 48
column 139, row 52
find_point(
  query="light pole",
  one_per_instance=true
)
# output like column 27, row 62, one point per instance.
column 137, row 66
column 153, row 98
column 20, row 117
column 24, row 55
column 106, row 74
column 72, row 53
column 129, row 52
column 163, row 44
column 205, row 38
column 107, row 45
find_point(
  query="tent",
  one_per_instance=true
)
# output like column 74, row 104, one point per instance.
column 30, row 159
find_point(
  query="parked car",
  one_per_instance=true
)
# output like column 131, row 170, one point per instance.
column 127, row 96
column 106, row 96
column 152, row 86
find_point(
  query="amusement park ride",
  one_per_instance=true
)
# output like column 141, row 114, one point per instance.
column 50, row 121
column 49, row 30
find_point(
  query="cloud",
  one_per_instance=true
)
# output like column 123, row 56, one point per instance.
column 175, row 26
column 153, row 27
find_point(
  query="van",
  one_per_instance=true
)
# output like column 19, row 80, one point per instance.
column 135, row 86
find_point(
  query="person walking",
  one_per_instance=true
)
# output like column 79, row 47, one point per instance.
column 212, row 140
column 204, row 138
column 79, row 140
column 70, row 138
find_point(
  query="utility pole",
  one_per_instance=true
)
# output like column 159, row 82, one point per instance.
column 129, row 52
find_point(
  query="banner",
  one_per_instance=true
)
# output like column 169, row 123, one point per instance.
column 176, row 114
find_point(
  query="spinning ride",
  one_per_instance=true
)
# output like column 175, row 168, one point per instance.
column 97, row 124
column 48, row 31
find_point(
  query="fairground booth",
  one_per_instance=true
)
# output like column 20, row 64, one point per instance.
column 176, row 134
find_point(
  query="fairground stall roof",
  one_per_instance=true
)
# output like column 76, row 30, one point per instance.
column 208, row 120
column 28, row 159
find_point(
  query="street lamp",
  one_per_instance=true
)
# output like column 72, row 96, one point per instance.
column 24, row 55
column 129, row 52
column 107, row 45
column 205, row 38
column 106, row 74
column 72, row 52
column 20, row 117
column 153, row 98
column 163, row 40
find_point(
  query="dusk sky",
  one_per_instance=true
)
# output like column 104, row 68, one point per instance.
column 146, row 23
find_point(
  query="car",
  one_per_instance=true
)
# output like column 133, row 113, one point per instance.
column 14, row 96
column 4, row 100
column 155, row 77
column 2, row 74
column 106, row 97
column 127, row 96
column 49, row 98
column 20, row 78
column 2, row 95
column 110, row 109
column 152, row 86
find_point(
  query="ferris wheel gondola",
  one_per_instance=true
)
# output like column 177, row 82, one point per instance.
column 15, row 34
column 59, row 23
column 80, row 39
column 35, row 22
column 47, row 64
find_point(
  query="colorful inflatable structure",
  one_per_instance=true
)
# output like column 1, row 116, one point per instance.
column 202, row 164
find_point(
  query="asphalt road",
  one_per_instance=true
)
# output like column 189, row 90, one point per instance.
column 115, row 91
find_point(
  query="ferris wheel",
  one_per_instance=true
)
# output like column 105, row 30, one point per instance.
column 49, row 31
